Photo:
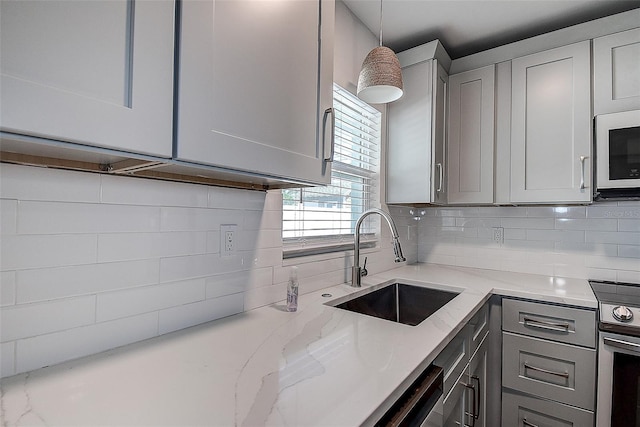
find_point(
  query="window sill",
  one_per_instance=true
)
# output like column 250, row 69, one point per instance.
column 298, row 251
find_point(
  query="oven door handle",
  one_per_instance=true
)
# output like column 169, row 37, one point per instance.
column 625, row 345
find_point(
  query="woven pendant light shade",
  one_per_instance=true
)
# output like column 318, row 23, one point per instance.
column 380, row 79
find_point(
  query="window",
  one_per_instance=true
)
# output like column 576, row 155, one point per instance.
column 326, row 216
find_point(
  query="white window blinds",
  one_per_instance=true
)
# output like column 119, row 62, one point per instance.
column 327, row 215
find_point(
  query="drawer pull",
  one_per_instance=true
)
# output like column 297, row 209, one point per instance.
column 546, row 371
column 557, row 327
column 526, row 423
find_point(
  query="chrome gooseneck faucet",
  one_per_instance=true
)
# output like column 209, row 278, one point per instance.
column 356, row 271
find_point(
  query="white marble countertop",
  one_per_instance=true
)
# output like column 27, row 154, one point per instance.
column 319, row 366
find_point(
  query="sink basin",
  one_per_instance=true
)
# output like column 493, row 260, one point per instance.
column 397, row 302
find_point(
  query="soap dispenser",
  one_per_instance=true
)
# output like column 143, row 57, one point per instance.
column 292, row 290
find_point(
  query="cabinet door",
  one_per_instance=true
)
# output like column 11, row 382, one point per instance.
column 97, row 73
column 255, row 80
column 415, row 150
column 616, row 72
column 471, row 136
column 551, row 126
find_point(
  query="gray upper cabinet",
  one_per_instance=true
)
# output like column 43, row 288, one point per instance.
column 471, row 136
column 254, row 85
column 616, row 72
column 94, row 73
column 416, row 144
column 551, row 127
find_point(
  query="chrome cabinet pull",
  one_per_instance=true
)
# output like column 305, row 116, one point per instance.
column 333, row 133
column 440, row 176
column 582, row 159
column 625, row 345
column 527, row 423
column 473, row 415
column 477, row 412
column 545, row 371
column 558, row 327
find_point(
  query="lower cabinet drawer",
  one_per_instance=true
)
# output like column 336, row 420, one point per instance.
column 561, row 372
column 522, row 410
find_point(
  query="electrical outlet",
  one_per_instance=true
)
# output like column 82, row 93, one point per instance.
column 228, row 240
column 498, row 235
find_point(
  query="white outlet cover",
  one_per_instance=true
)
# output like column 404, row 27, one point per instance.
column 228, row 239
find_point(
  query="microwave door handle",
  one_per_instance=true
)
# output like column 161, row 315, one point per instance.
column 582, row 159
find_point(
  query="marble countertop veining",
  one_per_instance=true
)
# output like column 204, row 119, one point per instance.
column 319, row 366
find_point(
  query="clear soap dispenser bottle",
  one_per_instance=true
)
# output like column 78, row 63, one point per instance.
column 292, row 290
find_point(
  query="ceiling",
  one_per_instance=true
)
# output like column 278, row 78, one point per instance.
column 469, row 26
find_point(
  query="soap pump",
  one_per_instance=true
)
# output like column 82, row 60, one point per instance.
column 292, row 290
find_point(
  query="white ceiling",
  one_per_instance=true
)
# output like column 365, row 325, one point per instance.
column 470, row 26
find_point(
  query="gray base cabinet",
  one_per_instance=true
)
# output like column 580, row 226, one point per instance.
column 464, row 362
column 548, row 364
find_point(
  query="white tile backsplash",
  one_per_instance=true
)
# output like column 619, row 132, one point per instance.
column 90, row 262
column 35, row 284
column 8, row 215
column 126, row 191
column 36, row 251
column 7, row 288
column 116, row 305
column 600, row 241
column 43, row 350
column 71, row 218
column 131, row 246
column 28, row 320
column 34, row 183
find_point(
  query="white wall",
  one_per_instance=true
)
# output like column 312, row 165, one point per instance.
column 600, row 241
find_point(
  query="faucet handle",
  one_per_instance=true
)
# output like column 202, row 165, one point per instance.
column 364, row 271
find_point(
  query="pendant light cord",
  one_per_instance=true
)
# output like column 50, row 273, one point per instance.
column 380, row 22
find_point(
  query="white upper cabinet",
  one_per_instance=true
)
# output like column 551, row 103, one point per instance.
column 471, row 136
column 616, row 72
column 97, row 73
column 416, row 144
column 254, row 84
column 551, row 126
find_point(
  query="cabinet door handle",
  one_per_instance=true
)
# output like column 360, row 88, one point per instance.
column 526, row 423
column 582, row 159
column 440, row 176
column 546, row 371
column 327, row 112
column 476, row 412
column 473, row 410
column 558, row 327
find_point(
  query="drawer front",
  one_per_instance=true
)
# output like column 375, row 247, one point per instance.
column 479, row 328
column 564, row 324
column 526, row 411
column 560, row 372
column 454, row 358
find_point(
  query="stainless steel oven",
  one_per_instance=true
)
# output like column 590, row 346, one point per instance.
column 618, row 398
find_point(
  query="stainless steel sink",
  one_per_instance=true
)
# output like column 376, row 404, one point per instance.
column 397, row 302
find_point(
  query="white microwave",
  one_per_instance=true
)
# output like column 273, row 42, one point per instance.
column 618, row 155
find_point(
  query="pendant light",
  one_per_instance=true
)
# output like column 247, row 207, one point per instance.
column 380, row 79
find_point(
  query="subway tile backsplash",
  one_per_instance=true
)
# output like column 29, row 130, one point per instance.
column 90, row 262
column 600, row 241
